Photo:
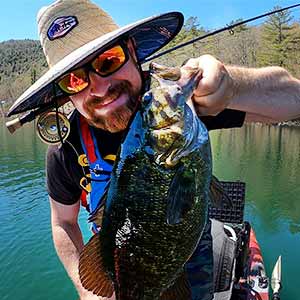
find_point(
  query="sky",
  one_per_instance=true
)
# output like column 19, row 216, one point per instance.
column 18, row 17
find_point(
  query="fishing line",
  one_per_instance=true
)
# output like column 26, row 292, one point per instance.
column 85, row 174
column 229, row 27
column 233, row 33
column 57, row 122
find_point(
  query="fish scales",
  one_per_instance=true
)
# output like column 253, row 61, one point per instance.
column 144, row 225
column 156, row 205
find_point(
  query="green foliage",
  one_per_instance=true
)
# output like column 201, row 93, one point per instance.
column 239, row 28
column 277, row 36
column 274, row 42
column 21, row 63
column 189, row 31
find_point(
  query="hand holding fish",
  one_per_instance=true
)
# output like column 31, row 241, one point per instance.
column 215, row 90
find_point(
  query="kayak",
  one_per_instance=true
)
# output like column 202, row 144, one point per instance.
column 242, row 275
column 255, row 284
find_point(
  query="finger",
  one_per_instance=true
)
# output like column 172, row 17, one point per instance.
column 203, row 111
column 191, row 63
column 212, row 77
column 203, row 106
column 187, row 73
column 214, row 103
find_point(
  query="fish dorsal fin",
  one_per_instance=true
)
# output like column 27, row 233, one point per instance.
column 91, row 270
column 181, row 195
column 218, row 196
column 179, row 290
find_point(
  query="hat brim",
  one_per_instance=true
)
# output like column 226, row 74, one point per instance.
column 150, row 35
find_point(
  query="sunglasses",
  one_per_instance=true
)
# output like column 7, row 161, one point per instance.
column 104, row 64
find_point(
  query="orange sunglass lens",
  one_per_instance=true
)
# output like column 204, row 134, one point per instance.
column 74, row 82
column 109, row 61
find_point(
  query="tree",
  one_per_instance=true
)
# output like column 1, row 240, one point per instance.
column 189, row 31
column 239, row 28
column 293, row 57
column 276, row 38
column 33, row 76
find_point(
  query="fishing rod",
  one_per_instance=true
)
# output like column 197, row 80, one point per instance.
column 226, row 28
column 19, row 122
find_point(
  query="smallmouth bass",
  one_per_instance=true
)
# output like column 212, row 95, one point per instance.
column 156, row 205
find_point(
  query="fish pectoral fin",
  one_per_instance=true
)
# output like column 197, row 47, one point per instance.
column 91, row 270
column 179, row 290
column 180, row 195
column 218, row 195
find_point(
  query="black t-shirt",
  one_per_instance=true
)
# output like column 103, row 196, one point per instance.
column 64, row 173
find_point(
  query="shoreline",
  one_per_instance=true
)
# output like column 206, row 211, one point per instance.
column 293, row 123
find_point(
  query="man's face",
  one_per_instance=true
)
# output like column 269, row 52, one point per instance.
column 109, row 102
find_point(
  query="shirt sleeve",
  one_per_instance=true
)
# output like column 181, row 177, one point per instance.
column 61, row 185
column 228, row 118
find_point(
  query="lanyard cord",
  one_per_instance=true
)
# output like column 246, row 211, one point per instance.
column 57, row 122
column 99, row 172
column 56, row 114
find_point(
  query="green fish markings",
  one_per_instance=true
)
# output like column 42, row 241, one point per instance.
column 156, row 205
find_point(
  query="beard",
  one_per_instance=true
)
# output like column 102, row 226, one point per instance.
column 118, row 119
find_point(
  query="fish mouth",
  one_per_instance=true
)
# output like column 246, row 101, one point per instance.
column 167, row 73
column 168, row 114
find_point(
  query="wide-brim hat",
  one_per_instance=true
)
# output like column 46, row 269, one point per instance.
column 66, row 45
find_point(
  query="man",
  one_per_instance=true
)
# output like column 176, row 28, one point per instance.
column 97, row 66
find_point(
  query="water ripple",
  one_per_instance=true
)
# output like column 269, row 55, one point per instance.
column 266, row 158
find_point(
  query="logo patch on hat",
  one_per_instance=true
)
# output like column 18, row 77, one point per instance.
column 61, row 26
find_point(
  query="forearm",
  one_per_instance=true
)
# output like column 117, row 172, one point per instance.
column 68, row 244
column 268, row 94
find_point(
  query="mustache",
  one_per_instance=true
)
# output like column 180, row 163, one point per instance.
column 113, row 92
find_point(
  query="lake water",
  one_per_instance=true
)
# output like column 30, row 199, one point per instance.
column 267, row 158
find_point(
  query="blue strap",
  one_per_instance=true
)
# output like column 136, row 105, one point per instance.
column 100, row 172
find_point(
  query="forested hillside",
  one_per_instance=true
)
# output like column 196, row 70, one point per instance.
column 21, row 63
column 276, row 41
